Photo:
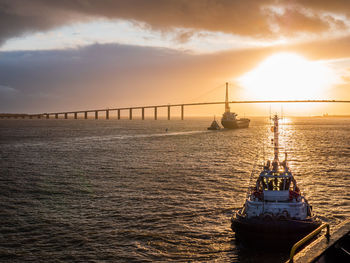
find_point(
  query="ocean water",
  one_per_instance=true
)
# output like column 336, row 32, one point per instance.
column 128, row 191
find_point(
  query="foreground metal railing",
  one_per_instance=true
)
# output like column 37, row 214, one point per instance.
column 307, row 238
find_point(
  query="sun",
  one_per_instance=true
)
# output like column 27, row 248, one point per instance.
column 287, row 76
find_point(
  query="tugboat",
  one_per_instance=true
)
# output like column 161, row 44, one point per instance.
column 214, row 126
column 229, row 119
column 274, row 211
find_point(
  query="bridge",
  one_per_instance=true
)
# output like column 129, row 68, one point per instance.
column 108, row 111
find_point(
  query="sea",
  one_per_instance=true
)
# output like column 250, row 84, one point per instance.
column 154, row 191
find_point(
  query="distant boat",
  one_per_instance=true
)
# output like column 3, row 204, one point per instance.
column 229, row 119
column 214, row 126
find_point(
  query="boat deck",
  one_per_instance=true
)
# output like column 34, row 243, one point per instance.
column 336, row 249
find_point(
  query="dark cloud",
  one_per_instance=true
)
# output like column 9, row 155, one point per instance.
column 100, row 76
column 21, row 17
column 112, row 75
column 335, row 6
column 184, row 36
column 247, row 18
column 293, row 20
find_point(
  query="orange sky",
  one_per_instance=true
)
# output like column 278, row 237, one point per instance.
column 74, row 55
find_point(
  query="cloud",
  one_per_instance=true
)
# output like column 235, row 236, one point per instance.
column 21, row 17
column 8, row 95
column 6, row 90
column 100, row 76
column 255, row 18
column 184, row 36
column 292, row 21
column 110, row 75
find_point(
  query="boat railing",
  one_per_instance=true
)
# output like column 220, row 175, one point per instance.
column 307, row 238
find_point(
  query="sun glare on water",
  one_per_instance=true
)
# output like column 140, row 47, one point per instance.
column 287, row 76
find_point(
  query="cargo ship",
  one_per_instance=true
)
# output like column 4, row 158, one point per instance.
column 229, row 119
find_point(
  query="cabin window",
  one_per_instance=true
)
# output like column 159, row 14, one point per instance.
column 264, row 183
column 275, row 183
column 287, row 183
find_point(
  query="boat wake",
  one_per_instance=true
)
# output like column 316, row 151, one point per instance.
column 124, row 137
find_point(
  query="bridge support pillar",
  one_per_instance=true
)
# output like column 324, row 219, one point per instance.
column 39, row 116
column 75, row 115
column 143, row 113
column 107, row 114
column 56, row 115
column 85, row 115
column 47, row 116
column 118, row 114
column 168, row 113
column 96, row 115
column 155, row 113
column 182, row 112
column 130, row 114
column 66, row 115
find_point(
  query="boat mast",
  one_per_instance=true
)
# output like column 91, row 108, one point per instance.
column 275, row 161
column 227, row 106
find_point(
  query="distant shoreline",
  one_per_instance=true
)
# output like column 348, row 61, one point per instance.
column 13, row 115
column 334, row 116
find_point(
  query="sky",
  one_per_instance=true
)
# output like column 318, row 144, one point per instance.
column 82, row 54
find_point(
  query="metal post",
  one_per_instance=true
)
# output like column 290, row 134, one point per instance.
column 168, row 113
column 118, row 114
column 96, row 115
column 182, row 112
column 130, row 114
column 56, row 115
column 66, row 115
column 75, row 115
column 85, row 115
column 143, row 113
column 107, row 114
column 155, row 113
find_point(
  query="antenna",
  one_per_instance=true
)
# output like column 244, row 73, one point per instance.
column 227, row 106
column 275, row 161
